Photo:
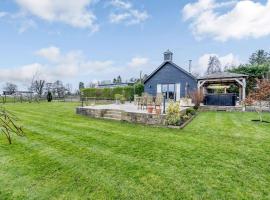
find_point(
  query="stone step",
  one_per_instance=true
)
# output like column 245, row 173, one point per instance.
column 110, row 118
column 114, row 112
column 113, row 115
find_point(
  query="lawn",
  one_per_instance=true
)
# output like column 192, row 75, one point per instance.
column 66, row 156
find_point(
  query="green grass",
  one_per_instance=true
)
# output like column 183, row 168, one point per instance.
column 66, row 156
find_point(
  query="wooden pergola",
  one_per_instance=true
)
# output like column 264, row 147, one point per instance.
column 224, row 78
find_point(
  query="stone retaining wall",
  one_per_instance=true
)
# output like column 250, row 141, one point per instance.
column 133, row 117
column 141, row 118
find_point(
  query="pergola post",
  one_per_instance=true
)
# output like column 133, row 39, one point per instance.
column 240, row 93
column 244, row 89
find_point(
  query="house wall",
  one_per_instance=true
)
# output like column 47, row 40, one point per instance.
column 170, row 74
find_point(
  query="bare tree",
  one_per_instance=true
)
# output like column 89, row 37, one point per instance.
column 258, row 96
column 68, row 88
column 58, row 89
column 214, row 65
column 38, row 87
column 10, row 88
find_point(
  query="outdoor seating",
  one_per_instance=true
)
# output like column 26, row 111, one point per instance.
column 158, row 100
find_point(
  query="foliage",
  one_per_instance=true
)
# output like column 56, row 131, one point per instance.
column 185, row 117
column 109, row 93
column 81, row 85
column 173, row 113
column 262, row 93
column 259, row 57
column 197, row 98
column 118, row 96
column 191, row 111
column 253, row 71
column 49, row 96
column 8, row 125
column 214, row 65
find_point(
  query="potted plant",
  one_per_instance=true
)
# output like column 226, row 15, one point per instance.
column 158, row 110
column 150, row 108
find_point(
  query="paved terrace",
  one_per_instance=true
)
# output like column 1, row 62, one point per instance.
column 127, row 107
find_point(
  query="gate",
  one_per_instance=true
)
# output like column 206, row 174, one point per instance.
column 220, row 99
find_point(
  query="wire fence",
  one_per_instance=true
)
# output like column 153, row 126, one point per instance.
column 34, row 98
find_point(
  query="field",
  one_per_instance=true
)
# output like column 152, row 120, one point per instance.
column 66, row 156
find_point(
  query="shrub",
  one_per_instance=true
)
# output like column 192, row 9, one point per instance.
column 173, row 114
column 8, row 125
column 49, row 96
column 122, row 99
column 109, row 93
column 185, row 117
column 197, row 98
column 191, row 111
column 117, row 96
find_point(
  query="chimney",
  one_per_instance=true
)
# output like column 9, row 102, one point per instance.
column 190, row 65
column 168, row 56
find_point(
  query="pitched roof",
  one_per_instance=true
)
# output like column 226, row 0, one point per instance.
column 221, row 75
column 173, row 64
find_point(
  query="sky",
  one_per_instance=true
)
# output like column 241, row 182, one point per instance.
column 93, row 40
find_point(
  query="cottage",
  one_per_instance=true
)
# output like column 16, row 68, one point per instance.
column 170, row 79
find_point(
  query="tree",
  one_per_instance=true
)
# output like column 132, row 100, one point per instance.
column 214, row 65
column 58, row 89
column 49, row 96
column 68, row 88
column 10, row 88
column 119, row 79
column 38, row 87
column 8, row 125
column 253, row 71
column 81, row 85
column 259, row 57
column 260, row 94
column 114, row 80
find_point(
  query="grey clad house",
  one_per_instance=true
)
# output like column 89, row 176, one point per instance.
column 170, row 79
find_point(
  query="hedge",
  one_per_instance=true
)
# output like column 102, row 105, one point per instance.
column 109, row 93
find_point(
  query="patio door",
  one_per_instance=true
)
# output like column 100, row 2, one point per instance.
column 169, row 90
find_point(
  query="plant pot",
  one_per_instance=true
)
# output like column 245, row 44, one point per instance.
column 158, row 111
column 150, row 109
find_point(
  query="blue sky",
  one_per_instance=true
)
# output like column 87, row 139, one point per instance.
column 89, row 40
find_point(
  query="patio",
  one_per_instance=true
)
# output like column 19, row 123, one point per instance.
column 129, row 112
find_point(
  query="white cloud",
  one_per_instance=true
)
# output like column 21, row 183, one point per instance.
column 3, row 14
column 51, row 53
column 226, row 60
column 74, row 13
column 57, row 65
column 245, row 19
column 138, row 62
column 124, row 12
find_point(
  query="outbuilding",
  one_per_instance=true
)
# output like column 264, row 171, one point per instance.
column 170, row 79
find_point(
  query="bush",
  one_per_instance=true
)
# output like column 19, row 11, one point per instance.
column 185, row 117
column 191, row 111
column 173, row 114
column 49, row 96
column 117, row 96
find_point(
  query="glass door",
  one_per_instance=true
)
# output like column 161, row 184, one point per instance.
column 169, row 91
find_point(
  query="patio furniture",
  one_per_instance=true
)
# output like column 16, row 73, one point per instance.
column 136, row 99
column 158, row 100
